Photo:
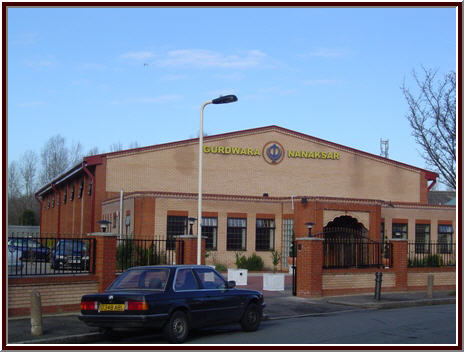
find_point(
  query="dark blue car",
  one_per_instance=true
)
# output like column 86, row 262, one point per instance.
column 31, row 249
column 70, row 253
column 175, row 298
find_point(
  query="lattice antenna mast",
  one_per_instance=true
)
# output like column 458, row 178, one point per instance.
column 384, row 145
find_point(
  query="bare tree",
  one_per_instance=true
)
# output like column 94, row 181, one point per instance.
column 14, row 183
column 55, row 158
column 432, row 116
column 93, row 151
column 28, row 171
column 116, row 147
column 133, row 145
column 75, row 153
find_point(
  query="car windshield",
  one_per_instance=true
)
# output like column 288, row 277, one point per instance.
column 69, row 246
column 152, row 279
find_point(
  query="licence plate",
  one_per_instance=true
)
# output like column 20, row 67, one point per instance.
column 111, row 307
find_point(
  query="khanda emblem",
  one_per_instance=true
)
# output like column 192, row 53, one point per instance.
column 274, row 152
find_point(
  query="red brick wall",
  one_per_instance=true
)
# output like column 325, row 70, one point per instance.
column 144, row 217
column 309, row 269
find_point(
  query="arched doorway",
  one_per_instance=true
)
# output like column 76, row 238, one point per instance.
column 346, row 244
column 345, row 227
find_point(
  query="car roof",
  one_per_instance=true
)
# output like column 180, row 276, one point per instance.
column 169, row 266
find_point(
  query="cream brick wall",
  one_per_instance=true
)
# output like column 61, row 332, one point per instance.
column 174, row 169
column 19, row 296
column 355, row 280
column 222, row 256
column 419, row 213
column 439, row 278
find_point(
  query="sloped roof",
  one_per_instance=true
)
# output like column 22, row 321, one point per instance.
column 441, row 197
column 272, row 128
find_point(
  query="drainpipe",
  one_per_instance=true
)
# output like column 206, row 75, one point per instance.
column 92, row 204
column 58, row 205
column 40, row 213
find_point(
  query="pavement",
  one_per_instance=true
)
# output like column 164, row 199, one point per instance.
column 68, row 329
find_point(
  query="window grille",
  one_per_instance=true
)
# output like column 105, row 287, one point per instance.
column 400, row 231
column 236, row 234
column 445, row 238
column 177, row 226
column 265, row 232
column 422, row 238
column 209, row 230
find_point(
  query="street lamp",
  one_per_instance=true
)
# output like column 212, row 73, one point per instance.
column 309, row 225
column 191, row 221
column 221, row 100
column 103, row 224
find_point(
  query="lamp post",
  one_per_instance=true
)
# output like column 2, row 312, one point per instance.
column 309, row 225
column 221, row 100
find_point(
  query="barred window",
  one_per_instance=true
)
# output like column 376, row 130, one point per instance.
column 400, row 231
column 265, row 231
column 445, row 238
column 81, row 188
column 177, row 225
column 422, row 238
column 209, row 230
column 236, row 234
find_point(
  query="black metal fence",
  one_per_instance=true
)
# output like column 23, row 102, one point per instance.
column 427, row 254
column 29, row 256
column 136, row 252
column 356, row 253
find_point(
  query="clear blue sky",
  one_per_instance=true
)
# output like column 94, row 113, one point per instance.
column 107, row 75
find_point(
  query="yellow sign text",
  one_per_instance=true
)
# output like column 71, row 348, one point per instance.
column 231, row 150
column 313, row 155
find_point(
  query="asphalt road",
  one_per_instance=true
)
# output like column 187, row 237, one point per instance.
column 416, row 325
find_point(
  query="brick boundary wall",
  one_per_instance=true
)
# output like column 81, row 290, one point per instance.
column 314, row 281
column 58, row 294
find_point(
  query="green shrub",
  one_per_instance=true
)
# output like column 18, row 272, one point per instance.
column 129, row 255
column 275, row 259
column 221, row 267
column 432, row 260
column 252, row 263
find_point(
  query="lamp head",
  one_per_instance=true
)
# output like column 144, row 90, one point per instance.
column 225, row 99
column 103, row 224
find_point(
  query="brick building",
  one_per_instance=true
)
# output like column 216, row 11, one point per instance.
column 260, row 187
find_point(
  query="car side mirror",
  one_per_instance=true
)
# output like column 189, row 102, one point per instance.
column 230, row 284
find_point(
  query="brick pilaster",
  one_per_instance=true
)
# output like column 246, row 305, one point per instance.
column 105, row 258
column 400, row 263
column 190, row 249
column 309, row 252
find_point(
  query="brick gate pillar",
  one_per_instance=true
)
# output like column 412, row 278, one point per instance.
column 400, row 263
column 309, row 253
column 189, row 244
column 105, row 258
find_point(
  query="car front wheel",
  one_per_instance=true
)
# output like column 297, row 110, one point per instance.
column 177, row 327
column 251, row 318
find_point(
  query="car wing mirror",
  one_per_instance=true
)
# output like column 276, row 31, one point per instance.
column 231, row 284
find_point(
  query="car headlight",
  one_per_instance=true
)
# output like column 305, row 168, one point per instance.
column 61, row 257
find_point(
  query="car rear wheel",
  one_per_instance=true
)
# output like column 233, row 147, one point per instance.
column 251, row 318
column 177, row 327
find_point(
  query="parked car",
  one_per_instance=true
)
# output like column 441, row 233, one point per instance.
column 175, row 298
column 70, row 253
column 15, row 261
column 31, row 249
